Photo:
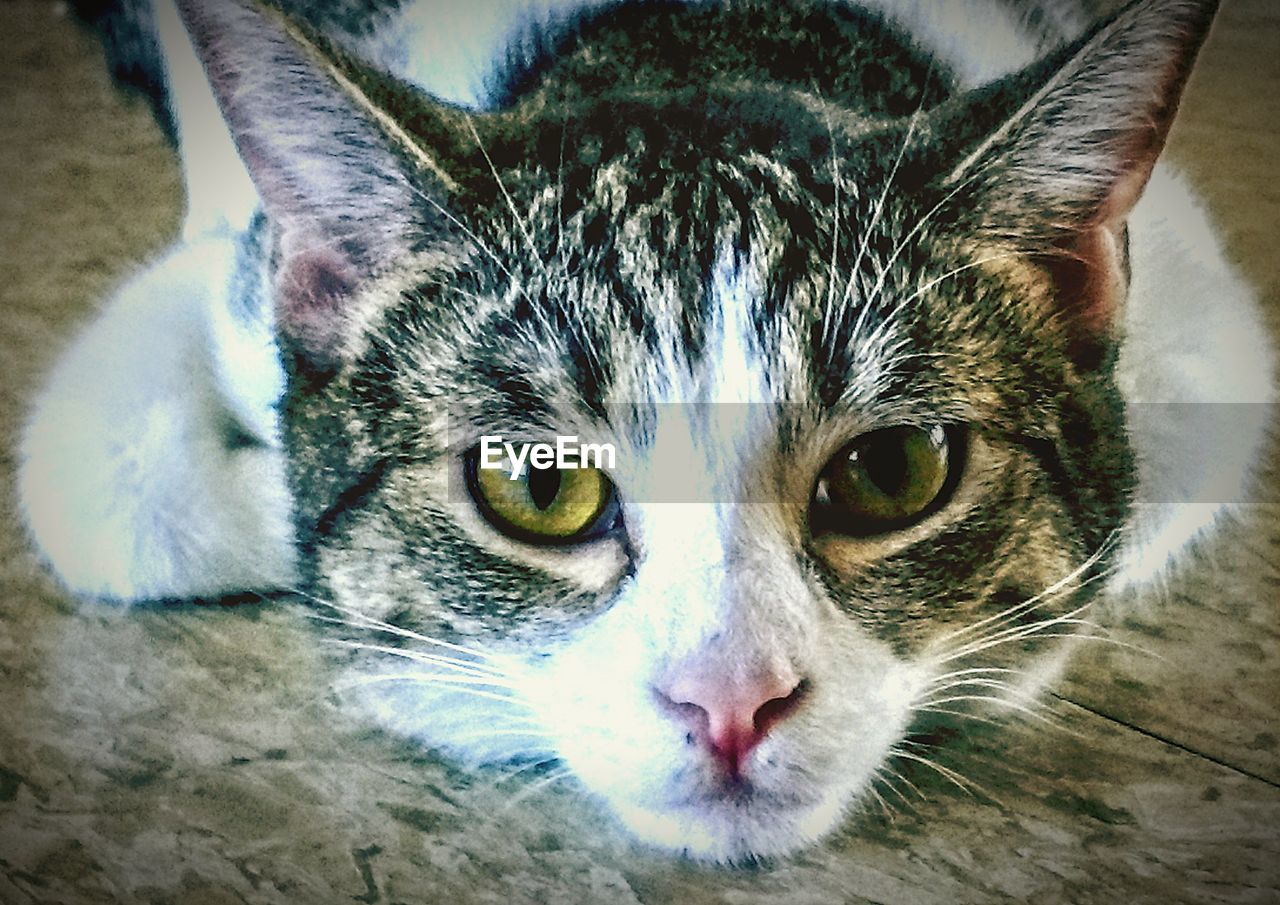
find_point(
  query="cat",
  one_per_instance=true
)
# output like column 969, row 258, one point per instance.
column 888, row 311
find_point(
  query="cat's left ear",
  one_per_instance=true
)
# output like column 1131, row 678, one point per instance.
column 1060, row 176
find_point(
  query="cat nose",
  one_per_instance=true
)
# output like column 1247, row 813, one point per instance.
column 731, row 717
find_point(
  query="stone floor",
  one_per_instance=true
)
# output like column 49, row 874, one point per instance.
column 197, row 755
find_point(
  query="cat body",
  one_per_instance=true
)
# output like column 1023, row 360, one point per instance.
column 748, row 245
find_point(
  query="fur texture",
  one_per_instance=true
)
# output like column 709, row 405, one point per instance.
column 824, row 244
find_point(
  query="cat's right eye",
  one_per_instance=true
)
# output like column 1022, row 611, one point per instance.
column 547, row 506
column 884, row 480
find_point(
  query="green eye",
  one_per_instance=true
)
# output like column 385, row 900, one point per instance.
column 884, row 480
column 544, row 505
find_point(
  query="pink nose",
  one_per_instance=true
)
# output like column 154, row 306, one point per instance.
column 730, row 718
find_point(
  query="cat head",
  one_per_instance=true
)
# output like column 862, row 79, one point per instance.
column 856, row 369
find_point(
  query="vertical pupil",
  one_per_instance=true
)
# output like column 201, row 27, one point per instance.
column 544, row 486
column 885, row 463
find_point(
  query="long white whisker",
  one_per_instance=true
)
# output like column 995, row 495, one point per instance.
column 1007, row 636
column 835, row 223
column 511, row 205
column 901, row 305
column 560, row 255
column 960, row 713
column 515, row 730
column 1019, row 632
column 977, row 670
column 1092, row 639
column 480, row 244
column 539, row 786
column 363, row 620
column 453, row 686
column 426, row 678
column 884, row 805
column 965, row 785
column 524, row 768
column 975, row 682
column 885, row 772
column 867, row 233
column 988, row 699
column 908, row 783
column 874, row 295
column 1031, row 602
column 459, row 666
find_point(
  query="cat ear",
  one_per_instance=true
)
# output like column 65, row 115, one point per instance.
column 343, row 185
column 1060, row 176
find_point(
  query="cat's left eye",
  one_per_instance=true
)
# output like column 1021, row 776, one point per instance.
column 550, row 506
column 884, row 480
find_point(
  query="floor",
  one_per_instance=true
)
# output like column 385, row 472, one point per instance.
column 197, row 755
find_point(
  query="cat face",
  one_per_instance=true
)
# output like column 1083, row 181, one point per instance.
column 727, row 583
column 857, row 372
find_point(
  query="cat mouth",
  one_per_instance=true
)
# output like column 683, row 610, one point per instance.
column 740, row 793
column 736, row 825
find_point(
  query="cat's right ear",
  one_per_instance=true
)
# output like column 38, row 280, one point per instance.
column 347, row 190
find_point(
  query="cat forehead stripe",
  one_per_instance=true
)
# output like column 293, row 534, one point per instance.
column 732, row 355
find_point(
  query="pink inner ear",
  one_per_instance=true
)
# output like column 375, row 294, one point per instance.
column 1087, row 277
column 313, row 287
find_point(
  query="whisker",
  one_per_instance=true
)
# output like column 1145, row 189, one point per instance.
column 966, row 785
column 874, row 295
column 460, row 666
column 901, row 305
column 1034, row 630
column 513, row 730
column 836, row 215
column 426, row 678
column 885, row 809
column 1031, row 602
column 462, row 688
column 1017, row 631
column 511, row 205
column 539, row 786
column 561, row 257
column 479, row 243
column 908, row 783
column 977, row 670
column 1046, row 715
column 883, row 775
column 1037, row 630
column 365, row 621
column 993, row 684
column 977, row 718
column 1094, row 639
column 977, row 681
column 946, row 772
column 508, row 775
column 989, row 699
column 876, row 215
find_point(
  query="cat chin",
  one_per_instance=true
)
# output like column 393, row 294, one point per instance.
column 681, row 806
column 691, row 812
column 669, row 794
column 732, row 833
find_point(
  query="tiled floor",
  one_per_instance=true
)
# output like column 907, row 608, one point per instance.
column 194, row 755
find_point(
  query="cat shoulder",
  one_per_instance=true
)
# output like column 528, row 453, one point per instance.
column 1198, row 375
column 149, row 467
